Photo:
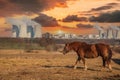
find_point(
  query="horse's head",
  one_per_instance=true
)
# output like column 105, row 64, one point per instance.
column 67, row 48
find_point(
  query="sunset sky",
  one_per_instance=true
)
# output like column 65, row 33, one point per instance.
column 69, row 16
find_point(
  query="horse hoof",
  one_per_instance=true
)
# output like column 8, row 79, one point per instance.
column 85, row 69
column 110, row 70
column 74, row 68
column 102, row 69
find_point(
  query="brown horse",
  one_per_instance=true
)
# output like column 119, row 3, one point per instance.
column 85, row 50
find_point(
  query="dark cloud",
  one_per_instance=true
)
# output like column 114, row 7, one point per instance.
column 71, row 18
column 102, row 8
column 112, row 4
column 46, row 21
column 39, row 4
column 107, row 17
column 84, row 26
column 8, row 9
column 29, row 5
column 2, row 4
column 11, row 7
column 106, row 7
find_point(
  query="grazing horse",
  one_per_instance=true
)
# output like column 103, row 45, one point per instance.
column 85, row 50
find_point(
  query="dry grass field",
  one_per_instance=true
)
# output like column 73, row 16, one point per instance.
column 43, row 65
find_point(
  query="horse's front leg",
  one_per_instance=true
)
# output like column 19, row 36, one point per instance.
column 85, row 66
column 78, row 59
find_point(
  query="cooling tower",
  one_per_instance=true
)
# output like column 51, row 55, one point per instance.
column 24, row 28
column 110, row 33
column 23, row 31
column 30, row 31
column 33, row 28
column 100, row 30
column 118, row 34
column 115, row 32
column 101, row 34
column 15, row 31
column 38, row 33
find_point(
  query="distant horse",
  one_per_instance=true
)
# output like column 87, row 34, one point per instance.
column 85, row 50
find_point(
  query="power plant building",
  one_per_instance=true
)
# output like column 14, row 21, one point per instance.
column 24, row 28
column 112, row 32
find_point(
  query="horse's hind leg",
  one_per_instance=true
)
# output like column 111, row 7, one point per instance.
column 109, row 60
column 78, row 59
column 104, row 63
column 109, row 64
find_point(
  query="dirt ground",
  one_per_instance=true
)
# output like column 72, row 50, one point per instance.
column 43, row 65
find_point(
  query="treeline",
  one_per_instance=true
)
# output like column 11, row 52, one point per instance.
column 46, row 43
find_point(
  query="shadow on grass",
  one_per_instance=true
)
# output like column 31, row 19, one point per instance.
column 116, row 68
column 47, row 66
column 69, row 67
column 117, row 61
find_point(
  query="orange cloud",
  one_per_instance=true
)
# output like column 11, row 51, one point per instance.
column 55, row 9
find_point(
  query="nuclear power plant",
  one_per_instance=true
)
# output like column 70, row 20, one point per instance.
column 101, row 31
column 24, row 28
column 112, row 32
